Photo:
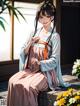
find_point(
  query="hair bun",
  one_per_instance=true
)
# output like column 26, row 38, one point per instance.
column 48, row 1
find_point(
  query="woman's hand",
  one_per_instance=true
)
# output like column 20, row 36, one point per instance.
column 35, row 65
column 35, row 39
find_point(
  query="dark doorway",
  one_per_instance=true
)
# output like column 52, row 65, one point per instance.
column 70, row 34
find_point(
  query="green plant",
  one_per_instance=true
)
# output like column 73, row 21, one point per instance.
column 76, row 68
column 68, row 98
column 6, row 4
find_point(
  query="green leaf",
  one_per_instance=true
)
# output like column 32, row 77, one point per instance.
column 1, row 18
column 2, row 25
column 5, row 4
column 13, row 10
column 2, row 4
column 9, row 10
column 20, row 13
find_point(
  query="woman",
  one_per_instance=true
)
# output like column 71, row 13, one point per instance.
column 39, row 60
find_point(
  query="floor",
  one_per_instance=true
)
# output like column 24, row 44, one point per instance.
column 3, row 92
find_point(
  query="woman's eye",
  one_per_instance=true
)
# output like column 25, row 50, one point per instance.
column 48, row 16
column 41, row 17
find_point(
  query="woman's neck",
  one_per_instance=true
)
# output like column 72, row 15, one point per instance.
column 46, row 29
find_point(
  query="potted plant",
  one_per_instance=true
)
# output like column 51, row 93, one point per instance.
column 76, row 68
column 70, row 97
column 6, row 4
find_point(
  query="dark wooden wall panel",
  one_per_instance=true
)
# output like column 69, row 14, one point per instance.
column 70, row 34
column 7, row 70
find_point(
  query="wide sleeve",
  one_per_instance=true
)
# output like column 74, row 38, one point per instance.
column 51, row 63
column 23, row 57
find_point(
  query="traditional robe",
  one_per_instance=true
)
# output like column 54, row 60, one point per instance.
column 53, row 61
column 25, row 85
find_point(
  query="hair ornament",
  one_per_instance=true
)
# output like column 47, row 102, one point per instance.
column 48, row 1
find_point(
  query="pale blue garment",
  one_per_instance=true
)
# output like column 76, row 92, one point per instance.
column 53, row 63
column 23, row 58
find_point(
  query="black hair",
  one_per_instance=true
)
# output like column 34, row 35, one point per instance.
column 46, row 7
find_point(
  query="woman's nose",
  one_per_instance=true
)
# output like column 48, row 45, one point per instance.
column 44, row 21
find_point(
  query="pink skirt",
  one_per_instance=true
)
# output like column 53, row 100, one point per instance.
column 24, row 86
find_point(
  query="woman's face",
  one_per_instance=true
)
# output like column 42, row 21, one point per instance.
column 45, row 20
